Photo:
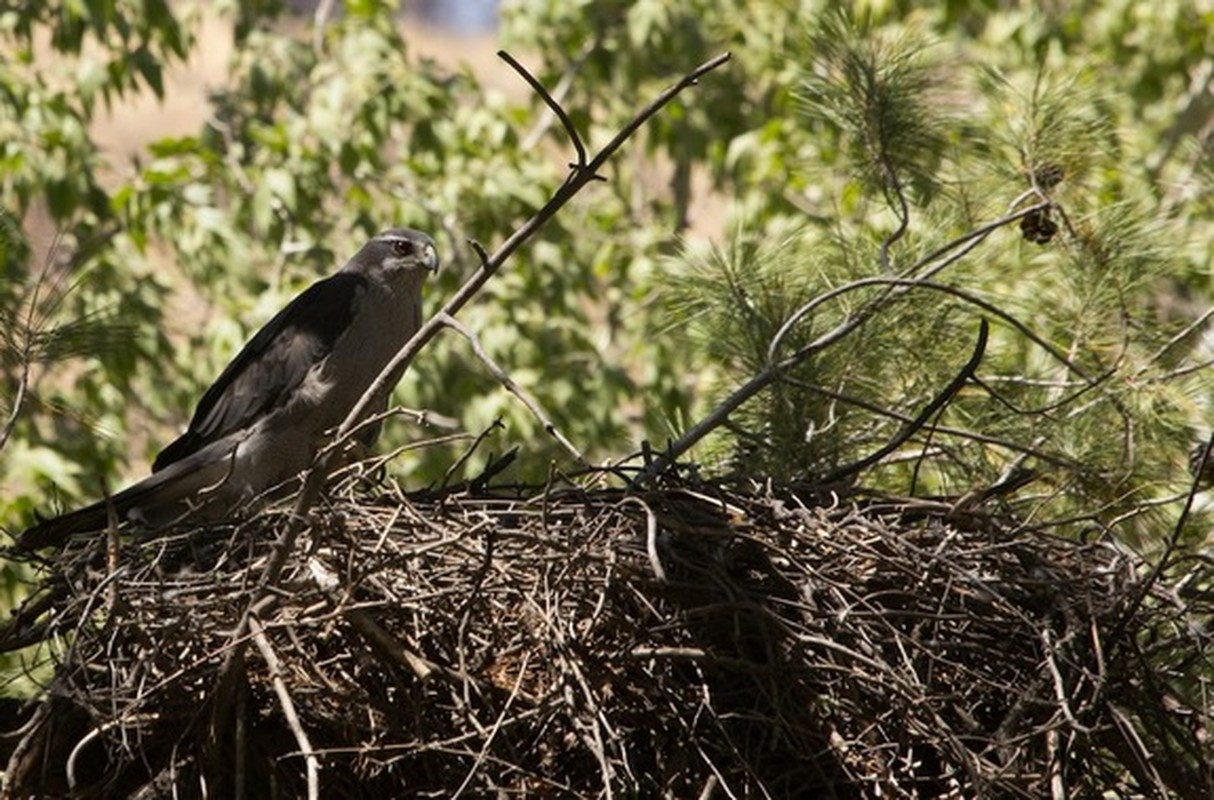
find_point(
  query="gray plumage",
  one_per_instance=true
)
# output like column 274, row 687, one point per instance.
column 263, row 420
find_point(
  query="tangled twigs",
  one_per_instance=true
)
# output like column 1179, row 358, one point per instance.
column 523, row 644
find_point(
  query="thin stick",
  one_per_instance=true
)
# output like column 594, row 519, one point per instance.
column 651, row 538
column 1188, row 331
column 562, row 88
column 69, row 767
column 19, row 395
column 375, row 633
column 553, row 105
column 508, row 383
column 909, row 429
column 901, row 209
column 312, row 763
column 27, row 335
column 497, row 726
column 458, row 464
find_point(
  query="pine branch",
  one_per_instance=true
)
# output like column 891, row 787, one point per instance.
column 894, row 289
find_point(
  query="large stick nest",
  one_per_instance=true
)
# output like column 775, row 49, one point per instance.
column 710, row 642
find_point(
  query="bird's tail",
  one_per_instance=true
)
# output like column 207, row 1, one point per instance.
column 156, row 500
column 56, row 531
column 162, row 498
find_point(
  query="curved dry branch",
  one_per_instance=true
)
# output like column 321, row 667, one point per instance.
column 910, row 428
column 513, row 388
column 918, row 272
column 556, row 108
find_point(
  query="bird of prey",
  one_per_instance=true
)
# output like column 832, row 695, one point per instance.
column 263, row 420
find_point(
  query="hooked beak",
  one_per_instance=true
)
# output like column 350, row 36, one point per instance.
column 429, row 258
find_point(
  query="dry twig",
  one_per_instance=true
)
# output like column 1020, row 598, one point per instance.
column 288, row 707
column 509, row 385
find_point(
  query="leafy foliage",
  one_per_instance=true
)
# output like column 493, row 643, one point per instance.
column 975, row 110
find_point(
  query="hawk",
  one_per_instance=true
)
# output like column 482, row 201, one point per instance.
column 266, row 416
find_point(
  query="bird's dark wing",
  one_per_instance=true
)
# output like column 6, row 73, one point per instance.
column 271, row 366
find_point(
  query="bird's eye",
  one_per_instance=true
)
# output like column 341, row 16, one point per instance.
column 403, row 247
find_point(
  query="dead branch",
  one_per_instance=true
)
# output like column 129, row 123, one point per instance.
column 288, row 706
column 930, row 410
column 513, row 388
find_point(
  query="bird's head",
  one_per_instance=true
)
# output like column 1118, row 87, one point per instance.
column 396, row 254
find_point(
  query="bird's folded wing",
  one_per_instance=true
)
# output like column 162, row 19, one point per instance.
column 271, row 367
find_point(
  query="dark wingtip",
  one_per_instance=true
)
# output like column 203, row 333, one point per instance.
column 39, row 536
column 55, row 532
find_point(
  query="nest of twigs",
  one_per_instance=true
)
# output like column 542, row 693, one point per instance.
column 681, row 642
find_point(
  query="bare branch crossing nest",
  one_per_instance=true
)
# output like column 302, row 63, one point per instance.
column 705, row 641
